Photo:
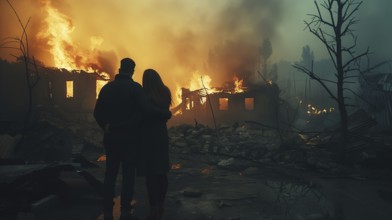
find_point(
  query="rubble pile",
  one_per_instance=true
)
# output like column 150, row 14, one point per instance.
column 51, row 138
column 239, row 147
column 42, row 165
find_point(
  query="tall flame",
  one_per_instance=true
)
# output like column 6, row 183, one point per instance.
column 65, row 53
column 198, row 81
column 58, row 33
column 238, row 88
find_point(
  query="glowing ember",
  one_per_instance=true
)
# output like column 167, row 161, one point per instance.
column 312, row 110
column 176, row 166
column 179, row 112
column 102, row 158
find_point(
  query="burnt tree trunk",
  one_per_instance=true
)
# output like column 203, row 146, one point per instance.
column 340, row 75
column 334, row 28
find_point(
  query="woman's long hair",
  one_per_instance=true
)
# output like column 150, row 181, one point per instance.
column 155, row 89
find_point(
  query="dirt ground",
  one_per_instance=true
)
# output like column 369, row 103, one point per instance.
column 261, row 193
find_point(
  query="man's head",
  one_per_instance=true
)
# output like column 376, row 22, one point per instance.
column 127, row 66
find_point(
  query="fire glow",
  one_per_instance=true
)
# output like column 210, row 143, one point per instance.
column 64, row 51
column 58, row 31
column 101, row 158
column 238, row 88
column 73, row 35
column 70, row 89
column 176, row 166
column 99, row 85
column 312, row 110
column 203, row 82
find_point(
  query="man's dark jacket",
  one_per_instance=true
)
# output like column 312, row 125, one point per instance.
column 123, row 100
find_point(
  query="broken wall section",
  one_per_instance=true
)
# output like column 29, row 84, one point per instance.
column 68, row 91
column 257, row 104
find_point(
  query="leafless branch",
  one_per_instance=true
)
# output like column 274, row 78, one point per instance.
column 312, row 75
column 348, row 14
column 209, row 100
column 355, row 58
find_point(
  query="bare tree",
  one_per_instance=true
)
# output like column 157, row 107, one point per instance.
column 31, row 71
column 333, row 26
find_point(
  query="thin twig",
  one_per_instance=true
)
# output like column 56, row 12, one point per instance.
column 209, row 102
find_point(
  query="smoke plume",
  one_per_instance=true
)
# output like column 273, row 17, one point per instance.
column 218, row 38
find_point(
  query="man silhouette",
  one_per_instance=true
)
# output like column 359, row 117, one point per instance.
column 122, row 100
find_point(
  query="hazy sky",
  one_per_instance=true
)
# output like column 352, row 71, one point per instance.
column 177, row 37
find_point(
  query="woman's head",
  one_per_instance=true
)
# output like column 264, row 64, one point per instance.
column 155, row 88
column 151, row 79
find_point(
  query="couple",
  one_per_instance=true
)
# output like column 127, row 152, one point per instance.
column 134, row 120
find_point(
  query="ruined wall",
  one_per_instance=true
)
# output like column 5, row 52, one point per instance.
column 13, row 91
column 376, row 93
column 49, row 92
column 86, row 92
column 263, row 108
column 84, row 86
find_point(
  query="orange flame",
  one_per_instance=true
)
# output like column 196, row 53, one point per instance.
column 238, row 88
column 65, row 53
column 203, row 82
column 102, row 158
column 58, row 31
column 198, row 81
column 179, row 112
column 98, row 86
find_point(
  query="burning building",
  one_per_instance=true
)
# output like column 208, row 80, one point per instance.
column 76, row 92
column 59, row 39
column 228, row 106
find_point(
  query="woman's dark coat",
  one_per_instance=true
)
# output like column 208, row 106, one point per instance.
column 154, row 153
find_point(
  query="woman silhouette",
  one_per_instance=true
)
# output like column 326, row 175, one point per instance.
column 154, row 155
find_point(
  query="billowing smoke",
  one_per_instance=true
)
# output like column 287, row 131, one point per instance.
column 243, row 28
column 50, row 36
column 218, row 38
